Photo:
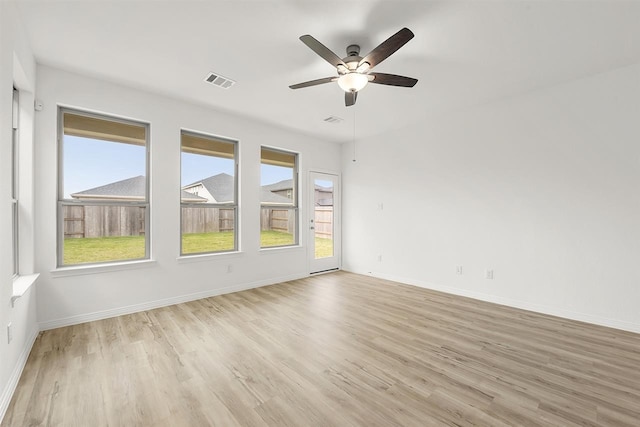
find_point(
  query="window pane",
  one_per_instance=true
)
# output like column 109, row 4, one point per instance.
column 278, row 197
column 208, row 181
column 14, row 252
column 323, row 218
column 103, row 200
column 277, row 185
column 15, row 209
column 100, row 233
column 207, row 229
column 103, row 170
column 277, row 227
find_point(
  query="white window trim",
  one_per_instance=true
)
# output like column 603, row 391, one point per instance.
column 198, row 256
column 105, row 265
column 21, row 285
column 294, row 206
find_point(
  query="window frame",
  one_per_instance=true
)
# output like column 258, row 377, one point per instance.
column 235, row 205
column 295, row 206
column 61, row 201
column 15, row 182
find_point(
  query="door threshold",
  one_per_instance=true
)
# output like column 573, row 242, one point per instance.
column 330, row 270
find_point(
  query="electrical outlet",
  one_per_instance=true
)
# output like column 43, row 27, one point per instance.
column 459, row 270
column 488, row 274
column 379, row 258
column 229, row 268
column 9, row 333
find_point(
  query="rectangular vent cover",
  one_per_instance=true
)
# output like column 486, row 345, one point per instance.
column 333, row 119
column 220, row 81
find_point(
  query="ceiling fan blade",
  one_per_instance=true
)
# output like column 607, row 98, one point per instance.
column 393, row 80
column 387, row 47
column 323, row 51
column 314, row 82
column 350, row 98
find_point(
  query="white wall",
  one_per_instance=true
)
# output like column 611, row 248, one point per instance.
column 65, row 299
column 17, row 66
column 543, row 188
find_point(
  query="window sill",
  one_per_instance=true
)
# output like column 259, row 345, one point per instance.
column 78, row 270
column 21, row 285
column 277, row 249
column 185, row 259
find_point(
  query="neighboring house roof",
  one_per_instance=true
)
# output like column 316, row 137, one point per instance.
column 286, row 184
column 270, row 198
column 191, row 198
column 127, row 189
column 221, row 187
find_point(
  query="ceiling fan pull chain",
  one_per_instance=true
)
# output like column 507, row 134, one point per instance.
column 354, row 133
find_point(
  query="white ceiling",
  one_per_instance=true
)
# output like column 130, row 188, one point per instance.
column 463, row 53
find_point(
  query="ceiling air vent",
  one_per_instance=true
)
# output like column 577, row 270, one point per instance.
column 220, row 81
column 334, row 119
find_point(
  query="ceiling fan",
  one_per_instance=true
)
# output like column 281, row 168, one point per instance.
column 354, row 71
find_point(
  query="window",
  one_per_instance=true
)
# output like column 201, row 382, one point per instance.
column 209, row 194
column 278, row 198
column 15, row 205
column 103, row 195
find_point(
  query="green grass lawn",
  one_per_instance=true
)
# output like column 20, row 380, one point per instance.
column 324, row 248
column 270, row 238
column 194, row 243
column 101, row 249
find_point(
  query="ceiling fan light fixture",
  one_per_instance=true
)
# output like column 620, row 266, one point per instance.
column 363, row 68
column 352, row 82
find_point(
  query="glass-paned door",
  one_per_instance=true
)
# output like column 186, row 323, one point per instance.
column 324, row 222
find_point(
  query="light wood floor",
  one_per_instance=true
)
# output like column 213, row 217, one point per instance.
column 333, row 350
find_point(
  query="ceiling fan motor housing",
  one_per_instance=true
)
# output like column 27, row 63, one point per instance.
column 353, row 50
column 353, row 57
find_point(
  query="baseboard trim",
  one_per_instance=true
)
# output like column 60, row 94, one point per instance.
column 10, row 388
column 538, row 308
column 135, row 308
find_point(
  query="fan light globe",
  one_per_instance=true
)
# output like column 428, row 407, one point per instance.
column 352, row 82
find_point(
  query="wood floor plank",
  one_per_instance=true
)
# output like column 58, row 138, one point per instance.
column 337, row 349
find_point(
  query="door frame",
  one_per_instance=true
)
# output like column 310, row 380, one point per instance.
column 323, row 265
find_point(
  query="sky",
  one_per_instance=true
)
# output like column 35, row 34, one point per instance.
column 90, row 163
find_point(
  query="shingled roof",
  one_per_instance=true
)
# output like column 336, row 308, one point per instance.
column 221, row 189
column 130, row 188
column 220, row 186
column 270, row 198
column 127, row 189
column 286, row 184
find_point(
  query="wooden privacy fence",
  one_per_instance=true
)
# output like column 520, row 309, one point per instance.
column 284, row 220
column 207, row 220
column 112, row 221
column 324, row 222
column 277, row 219
column 103, row 221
